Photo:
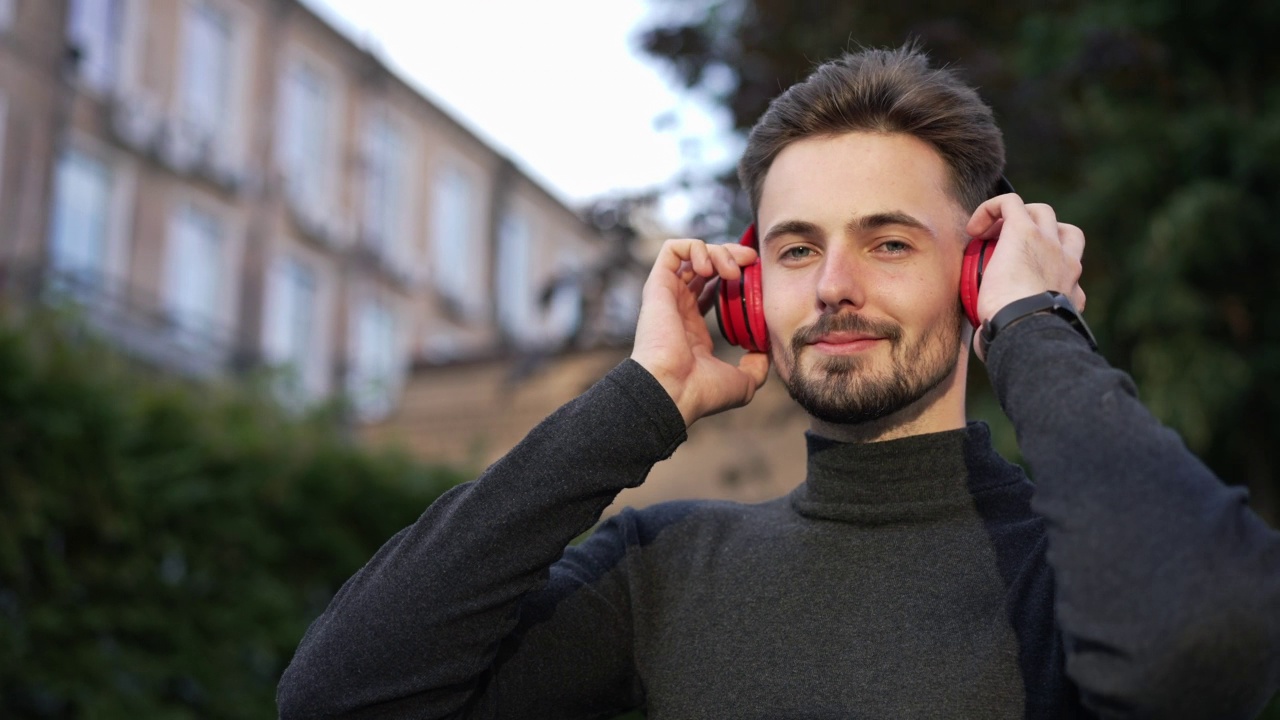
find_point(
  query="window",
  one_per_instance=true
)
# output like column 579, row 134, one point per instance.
column 82, row 202
column 306, row 137
column 520, row 308
column 454, row 256
column 206, row 72
column 622, row 306
column 292, row 329
column 7, row 8
column 194, row 274
column 564, row 313
column 516, row 301
column 385, row 156
column 374, row 379
column 94, row 27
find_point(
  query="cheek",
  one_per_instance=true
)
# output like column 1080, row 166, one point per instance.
column 787, row 305
column 920, row 296
column 777, row 323
column 772, row 293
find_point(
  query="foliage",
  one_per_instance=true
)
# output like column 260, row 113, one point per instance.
column 1153, row 125
column 163, row 547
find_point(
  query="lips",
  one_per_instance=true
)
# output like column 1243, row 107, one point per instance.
column 844, row 333
column 843, row 338
column 844, row 344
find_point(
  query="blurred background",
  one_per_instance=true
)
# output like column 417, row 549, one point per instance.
column 275, row 274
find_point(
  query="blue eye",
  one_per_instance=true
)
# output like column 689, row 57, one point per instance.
column 797, row 252
column 895, row 247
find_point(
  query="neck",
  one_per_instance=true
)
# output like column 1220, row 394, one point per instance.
column 939, row 410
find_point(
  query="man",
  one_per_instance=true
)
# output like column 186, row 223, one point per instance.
column 914, row 573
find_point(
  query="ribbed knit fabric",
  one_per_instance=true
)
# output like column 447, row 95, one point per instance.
column 910, row 578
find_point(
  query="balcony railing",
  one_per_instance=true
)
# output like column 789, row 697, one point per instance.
column 135, row 321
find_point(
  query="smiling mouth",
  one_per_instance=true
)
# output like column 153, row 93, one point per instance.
column 844, row 344
column 844, row 334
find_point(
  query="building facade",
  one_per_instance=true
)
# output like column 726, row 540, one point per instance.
column 230, row 184
column 223, row 185
column 470, row 414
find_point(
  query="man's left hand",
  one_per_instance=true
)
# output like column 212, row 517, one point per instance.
column 1036, row 253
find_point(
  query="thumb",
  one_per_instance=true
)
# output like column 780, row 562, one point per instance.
column 755, row 366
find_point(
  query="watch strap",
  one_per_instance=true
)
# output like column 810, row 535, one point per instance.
column 1045, row 302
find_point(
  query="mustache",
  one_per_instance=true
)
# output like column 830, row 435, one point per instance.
column 844, row 322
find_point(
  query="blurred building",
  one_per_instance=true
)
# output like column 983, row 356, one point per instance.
column 232, row 184
column 472, row 413
column 225, row 185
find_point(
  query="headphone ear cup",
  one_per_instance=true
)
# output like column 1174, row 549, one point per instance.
column 740, row 305
column 753, row 302
column 976, row 254
column 729, row 312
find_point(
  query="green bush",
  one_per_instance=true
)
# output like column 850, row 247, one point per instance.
column 164, row 546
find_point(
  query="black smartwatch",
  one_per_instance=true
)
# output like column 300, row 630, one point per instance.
column 1045, row 302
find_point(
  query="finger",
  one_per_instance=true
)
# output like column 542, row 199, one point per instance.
column 725, row 264
column 993, row 232
column 1046, row 219
column 1072, row 239
column 743, row 255
column 707, row 297
column 674, row 252
column 686, row 272
column 700, row 256
column 697, row 285
column 1077, row 297
column 672, row 264
column 756, row 367
column 1008, row 208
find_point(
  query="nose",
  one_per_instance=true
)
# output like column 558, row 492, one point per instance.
column 841, row 280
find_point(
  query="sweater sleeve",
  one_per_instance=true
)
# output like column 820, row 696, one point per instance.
column 449, row 618
column 1167, row 583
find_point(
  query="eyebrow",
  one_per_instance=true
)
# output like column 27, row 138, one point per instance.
column 859, row 224
column 875, row 221
column 802, row 228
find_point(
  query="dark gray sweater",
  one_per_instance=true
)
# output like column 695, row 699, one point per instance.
column 922, row 577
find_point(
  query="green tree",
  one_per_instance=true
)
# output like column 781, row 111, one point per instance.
column 164, row 547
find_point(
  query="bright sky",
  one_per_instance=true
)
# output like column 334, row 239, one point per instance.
column 556, row 85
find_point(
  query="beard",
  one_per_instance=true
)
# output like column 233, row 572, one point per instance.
column 847, row 390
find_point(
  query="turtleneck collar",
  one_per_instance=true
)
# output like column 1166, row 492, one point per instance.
column 916, row 478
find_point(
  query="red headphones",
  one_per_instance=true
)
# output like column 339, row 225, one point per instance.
column 740, row 303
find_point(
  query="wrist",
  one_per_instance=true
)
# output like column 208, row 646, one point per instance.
column 676, row 387
column 1045, row 303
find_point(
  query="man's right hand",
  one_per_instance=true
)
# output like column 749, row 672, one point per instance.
column 672, row 341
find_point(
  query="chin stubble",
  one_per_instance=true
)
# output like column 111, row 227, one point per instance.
column 841, row 390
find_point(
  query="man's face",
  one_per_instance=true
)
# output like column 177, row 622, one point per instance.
column 861, row 249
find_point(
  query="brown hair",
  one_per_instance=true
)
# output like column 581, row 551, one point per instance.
column 884, row 91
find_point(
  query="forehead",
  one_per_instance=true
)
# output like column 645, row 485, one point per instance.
column 859, row 173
